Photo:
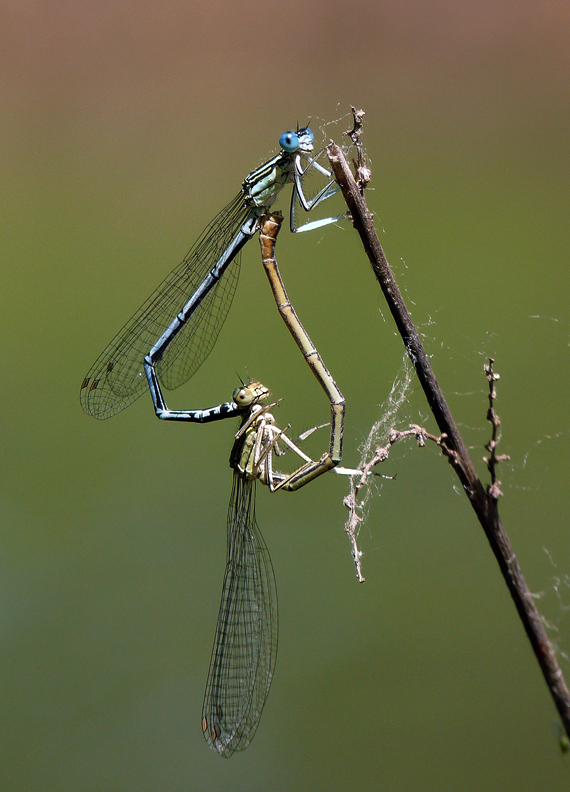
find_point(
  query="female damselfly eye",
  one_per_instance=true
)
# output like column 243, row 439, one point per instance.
column 243, row 396
column 289, row 142
column 246, row 395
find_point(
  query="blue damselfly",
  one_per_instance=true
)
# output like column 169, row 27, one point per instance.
column 177, row 327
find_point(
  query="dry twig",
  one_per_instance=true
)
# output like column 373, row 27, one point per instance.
column 494, row 490
column 483, row 501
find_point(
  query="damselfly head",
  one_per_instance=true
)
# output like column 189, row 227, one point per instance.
column 249, row 394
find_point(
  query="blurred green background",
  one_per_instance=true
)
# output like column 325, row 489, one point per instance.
column 125, row 127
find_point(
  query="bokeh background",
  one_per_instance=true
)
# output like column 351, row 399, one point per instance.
column 125, row 127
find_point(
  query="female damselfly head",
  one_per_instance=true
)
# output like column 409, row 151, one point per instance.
column 301, row 140
column 249, row 394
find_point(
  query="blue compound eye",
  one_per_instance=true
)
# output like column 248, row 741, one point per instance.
column 289, row 142
column 306, row 132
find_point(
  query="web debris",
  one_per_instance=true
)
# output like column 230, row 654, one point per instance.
column 378, row 436
column 560, row 585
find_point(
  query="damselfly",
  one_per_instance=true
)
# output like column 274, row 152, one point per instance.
column 245, row 645
column 178, row 325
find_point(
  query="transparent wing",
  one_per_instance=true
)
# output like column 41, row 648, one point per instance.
column 245, row 646
column 117, row 377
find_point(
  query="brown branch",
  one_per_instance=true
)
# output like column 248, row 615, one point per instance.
column 483, row 502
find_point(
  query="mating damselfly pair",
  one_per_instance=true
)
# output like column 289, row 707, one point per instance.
column 164, row 344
